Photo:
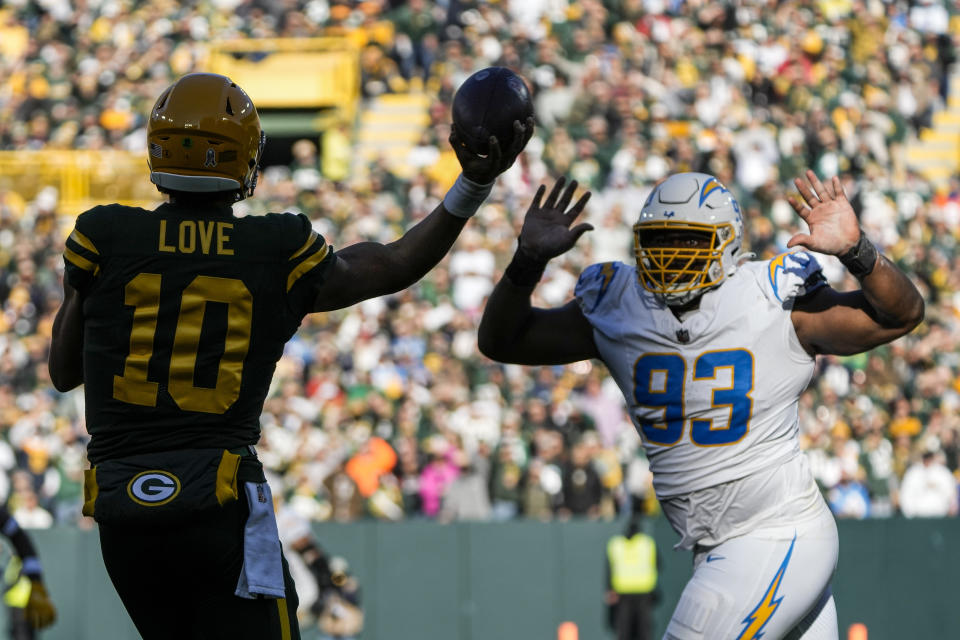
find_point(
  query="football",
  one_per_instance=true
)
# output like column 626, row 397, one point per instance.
column 486, row 104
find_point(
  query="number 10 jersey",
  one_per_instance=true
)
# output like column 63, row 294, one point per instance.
column 186, row 313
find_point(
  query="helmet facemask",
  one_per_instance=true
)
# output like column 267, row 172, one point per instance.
column 678, row 261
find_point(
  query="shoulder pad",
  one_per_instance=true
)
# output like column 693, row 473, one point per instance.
column 97, row 222
column 88, row 244
column 792, row 275
column 600, row 285
column 284, row 236
column 307, row 251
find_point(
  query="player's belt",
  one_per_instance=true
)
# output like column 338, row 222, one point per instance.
column 168, row 487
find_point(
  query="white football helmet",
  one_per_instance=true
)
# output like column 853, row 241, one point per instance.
column 689, row 237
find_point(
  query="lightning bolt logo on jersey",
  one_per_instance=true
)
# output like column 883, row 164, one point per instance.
column 796, row 263
column 722, row 404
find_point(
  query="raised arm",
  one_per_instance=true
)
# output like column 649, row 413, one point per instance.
column 370, row 269
column 512, row 330
column 886, row 306
column 66, row 347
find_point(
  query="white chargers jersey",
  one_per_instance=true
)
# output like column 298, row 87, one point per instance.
column 714, row 397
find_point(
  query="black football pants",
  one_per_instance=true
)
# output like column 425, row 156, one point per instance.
column 178, row 582
column 633, row 618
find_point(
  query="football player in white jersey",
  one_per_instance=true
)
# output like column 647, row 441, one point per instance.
column 712, row 352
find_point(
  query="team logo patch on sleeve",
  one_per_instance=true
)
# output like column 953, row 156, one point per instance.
column 153, row 488
column 593, row 284
column 791, row 272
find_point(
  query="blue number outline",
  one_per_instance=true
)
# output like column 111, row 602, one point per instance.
column 702, row 431
column 672, row 409
column 706, row 365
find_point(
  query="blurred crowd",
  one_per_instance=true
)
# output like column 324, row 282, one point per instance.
column 387, row 409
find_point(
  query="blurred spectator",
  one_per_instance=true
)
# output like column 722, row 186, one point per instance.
column 505, row 488
column 929, row 489
column 346, row 501
column 467, row 497
column 471, row 266
column 541, row 490
column 30, row 515
column 582, row 489
column 876, row 459
column 375, row 458
column 849, row 498
column 437, row 476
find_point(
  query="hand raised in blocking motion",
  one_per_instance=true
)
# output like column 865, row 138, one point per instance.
column 833, row 223
column 547, row 231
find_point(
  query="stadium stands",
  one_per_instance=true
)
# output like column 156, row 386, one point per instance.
column 627, row 91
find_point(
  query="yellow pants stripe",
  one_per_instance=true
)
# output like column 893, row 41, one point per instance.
column 284, row 619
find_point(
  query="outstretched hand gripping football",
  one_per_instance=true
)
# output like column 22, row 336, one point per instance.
column 833, row 223
column 546, row 231
column 483, row 169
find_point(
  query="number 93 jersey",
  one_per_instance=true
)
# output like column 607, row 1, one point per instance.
column 714, row 397
column 186, row 313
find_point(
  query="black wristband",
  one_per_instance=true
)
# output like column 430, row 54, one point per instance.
column 523, row 270
column 861, row 258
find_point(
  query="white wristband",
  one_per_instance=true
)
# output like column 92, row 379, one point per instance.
column 465, row 197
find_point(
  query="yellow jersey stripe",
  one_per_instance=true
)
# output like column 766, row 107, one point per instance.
column 306, row 245
column 79, row 261
column 306, row 265
column 284, row 619
column 83, row 241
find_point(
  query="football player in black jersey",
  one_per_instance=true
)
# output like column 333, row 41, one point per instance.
column 173, row 320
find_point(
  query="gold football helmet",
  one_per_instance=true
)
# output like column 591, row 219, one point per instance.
column 204, row 136
column 689, row 237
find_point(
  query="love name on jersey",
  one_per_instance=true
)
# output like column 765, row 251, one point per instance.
column 192, row 236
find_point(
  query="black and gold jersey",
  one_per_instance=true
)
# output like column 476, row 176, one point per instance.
column 186, row 313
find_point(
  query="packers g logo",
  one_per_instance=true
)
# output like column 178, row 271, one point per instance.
column 153, row 488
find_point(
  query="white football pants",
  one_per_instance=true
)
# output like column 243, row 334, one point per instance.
column 772, row 584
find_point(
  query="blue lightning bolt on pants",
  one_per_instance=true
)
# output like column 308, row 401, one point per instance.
column 770, row 584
